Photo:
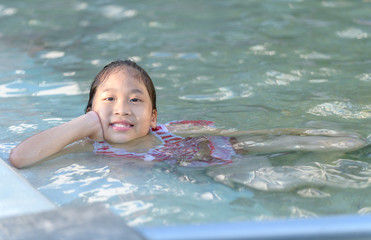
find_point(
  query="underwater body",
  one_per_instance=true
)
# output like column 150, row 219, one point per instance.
column 245, row 65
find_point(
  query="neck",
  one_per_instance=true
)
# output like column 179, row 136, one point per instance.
column 139, row 144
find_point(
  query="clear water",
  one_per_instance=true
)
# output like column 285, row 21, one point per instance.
column 243, row 64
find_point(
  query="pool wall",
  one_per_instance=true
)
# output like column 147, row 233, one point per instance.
column 17, row 195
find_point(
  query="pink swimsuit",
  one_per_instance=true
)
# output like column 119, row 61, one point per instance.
column 176, row 149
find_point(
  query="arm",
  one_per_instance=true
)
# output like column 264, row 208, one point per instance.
column 53, row 140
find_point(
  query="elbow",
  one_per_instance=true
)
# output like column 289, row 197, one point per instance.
column 16, row 159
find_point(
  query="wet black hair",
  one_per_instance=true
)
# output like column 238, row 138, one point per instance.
column 134, row 69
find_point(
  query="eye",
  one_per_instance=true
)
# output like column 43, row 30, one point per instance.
column 135, row 100
column 109, row 99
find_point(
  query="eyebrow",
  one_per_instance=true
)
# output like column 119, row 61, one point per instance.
column 135, row 90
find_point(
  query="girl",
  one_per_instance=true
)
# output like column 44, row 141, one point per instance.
column 121, row 120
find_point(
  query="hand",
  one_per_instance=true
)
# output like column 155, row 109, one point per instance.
column 95, row 126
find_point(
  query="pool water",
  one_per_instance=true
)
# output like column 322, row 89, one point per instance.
column 242, row 64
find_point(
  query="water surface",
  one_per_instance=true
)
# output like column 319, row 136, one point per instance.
column 243, row 64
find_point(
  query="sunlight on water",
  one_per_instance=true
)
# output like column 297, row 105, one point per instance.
column 52, row 55
column 118, row 12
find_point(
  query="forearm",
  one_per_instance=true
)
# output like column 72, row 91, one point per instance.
column 53, row 140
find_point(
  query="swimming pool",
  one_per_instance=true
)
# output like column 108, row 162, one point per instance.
column 243, row 64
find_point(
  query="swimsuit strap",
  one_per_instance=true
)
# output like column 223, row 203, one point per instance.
column 165, row 135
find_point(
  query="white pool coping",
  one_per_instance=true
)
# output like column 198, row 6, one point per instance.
column 322, row 228
column 17, row 196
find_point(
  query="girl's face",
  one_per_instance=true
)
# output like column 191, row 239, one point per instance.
column 124, row 107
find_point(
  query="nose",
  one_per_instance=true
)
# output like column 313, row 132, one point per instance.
column 122, row 108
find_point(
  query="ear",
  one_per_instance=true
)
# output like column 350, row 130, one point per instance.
column 154, row 118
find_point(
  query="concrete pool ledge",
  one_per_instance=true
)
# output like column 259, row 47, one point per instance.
column 17, row 196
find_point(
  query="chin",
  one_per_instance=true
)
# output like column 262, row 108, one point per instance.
column 117, row 140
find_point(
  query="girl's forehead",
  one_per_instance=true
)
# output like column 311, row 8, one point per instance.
column 122, row 83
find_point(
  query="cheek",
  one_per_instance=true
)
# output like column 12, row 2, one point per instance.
column 101, row 111
column 148, row 115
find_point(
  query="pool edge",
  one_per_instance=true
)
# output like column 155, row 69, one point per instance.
column 330, row 227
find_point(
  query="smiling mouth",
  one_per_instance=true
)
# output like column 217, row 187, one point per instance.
column 121, row 126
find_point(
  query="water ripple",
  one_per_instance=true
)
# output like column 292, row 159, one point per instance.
column 280, row 79
column 220, row 94
column 314, row 56
column 364, row 77
column 243, row 90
